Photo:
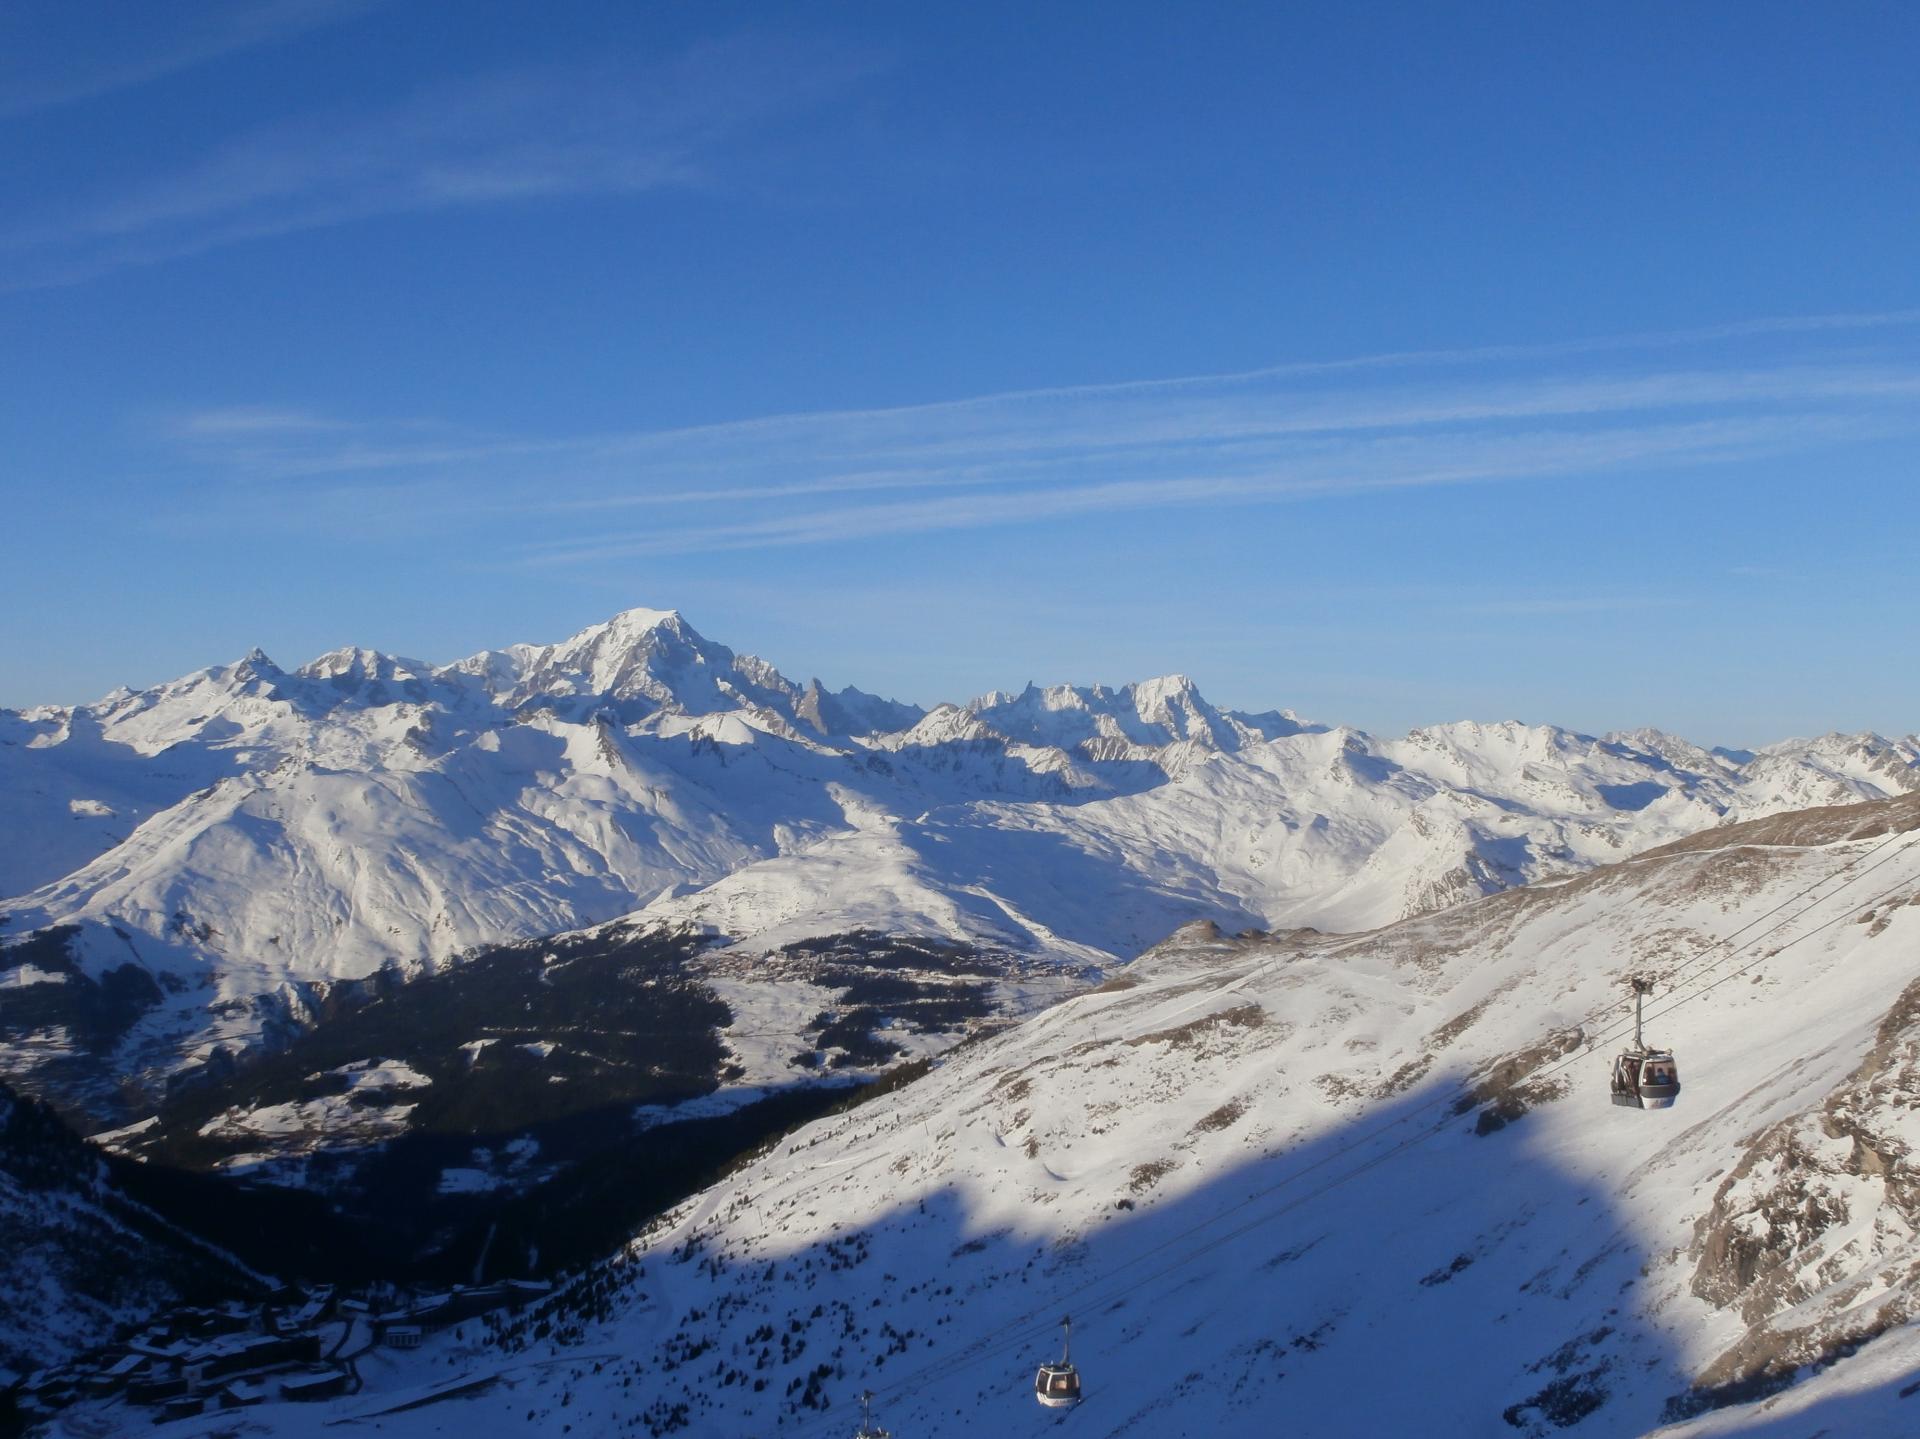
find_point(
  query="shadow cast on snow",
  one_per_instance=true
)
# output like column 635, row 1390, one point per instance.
column 1461, row 1286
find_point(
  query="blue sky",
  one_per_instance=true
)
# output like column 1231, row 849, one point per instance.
column 1396, row 363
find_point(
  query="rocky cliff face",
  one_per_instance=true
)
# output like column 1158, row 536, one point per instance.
column 1813, row 1238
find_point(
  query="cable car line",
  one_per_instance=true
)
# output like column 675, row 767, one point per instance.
column 1024, row 1323
column 1269, row 966
column 1600, row 1013
column 1021, row 1329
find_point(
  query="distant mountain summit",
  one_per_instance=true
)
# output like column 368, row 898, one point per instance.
column 1112, row 723
column 644, row 663
column 232, row 841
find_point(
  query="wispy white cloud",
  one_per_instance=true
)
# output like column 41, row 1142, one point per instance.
column 59, row 53
column 1367, row 465
column 1558, row 605
column 1280, row 434
column 613, row 126
column 884, row 446
column 255, row 420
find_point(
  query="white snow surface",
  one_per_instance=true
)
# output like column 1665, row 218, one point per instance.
column 247, row 830
column 1259, row 1176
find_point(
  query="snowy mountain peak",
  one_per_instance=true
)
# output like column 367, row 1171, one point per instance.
column 1163, row 688
column 366, row 676
column 642, row 661
column 850, row 711
column 1172, row 700
column 1150, row 714
column 948, row 724
column 641, row 619
column 360, row 666
column 253, row 666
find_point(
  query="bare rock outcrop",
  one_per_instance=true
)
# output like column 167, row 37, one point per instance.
column 1814, row 1235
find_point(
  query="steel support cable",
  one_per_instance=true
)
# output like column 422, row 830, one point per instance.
column 1268, row 966
column 1864, row 855
column 1273, row 965
column 1029, row 1329
column 1024, row 1327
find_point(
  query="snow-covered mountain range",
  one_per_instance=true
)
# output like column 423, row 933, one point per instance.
column 225, row 845
column 1333, row 1185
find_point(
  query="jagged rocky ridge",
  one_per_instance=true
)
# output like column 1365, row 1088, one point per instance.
column 234, row 844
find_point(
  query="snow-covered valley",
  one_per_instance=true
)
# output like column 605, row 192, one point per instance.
column 493, row 963
column 1345, row 1185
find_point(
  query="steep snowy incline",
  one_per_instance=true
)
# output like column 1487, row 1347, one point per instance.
column 241, row 898
column 1327, row 827
column 1351, row 1185
column 77, row 1256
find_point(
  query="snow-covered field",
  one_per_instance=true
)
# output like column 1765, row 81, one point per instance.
column 1331, row 1185
column 245, row 832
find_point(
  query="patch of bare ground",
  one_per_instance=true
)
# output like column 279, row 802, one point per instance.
column 1768, row 1360
column 1221, row 1118
column 1735, row 874
column 1881, row 916
column 1670, row 946
column 1403, row 1078
column 1462, row 1022
column 1013, row 1086
column 1195, row 1033
column 1509, row 1089
column 1429, row 942
column 1145, row 1176
column 1339, row 1086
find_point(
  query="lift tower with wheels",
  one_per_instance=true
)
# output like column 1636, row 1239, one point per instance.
column 868, row 1429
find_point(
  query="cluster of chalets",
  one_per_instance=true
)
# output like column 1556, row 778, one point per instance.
column 296, row 1344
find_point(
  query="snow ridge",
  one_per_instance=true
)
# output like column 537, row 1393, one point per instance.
column 245, row 832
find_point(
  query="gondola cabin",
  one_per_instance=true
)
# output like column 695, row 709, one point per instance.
column 1644, row 1077
column 1646, row 1080
column 1057, row 1386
